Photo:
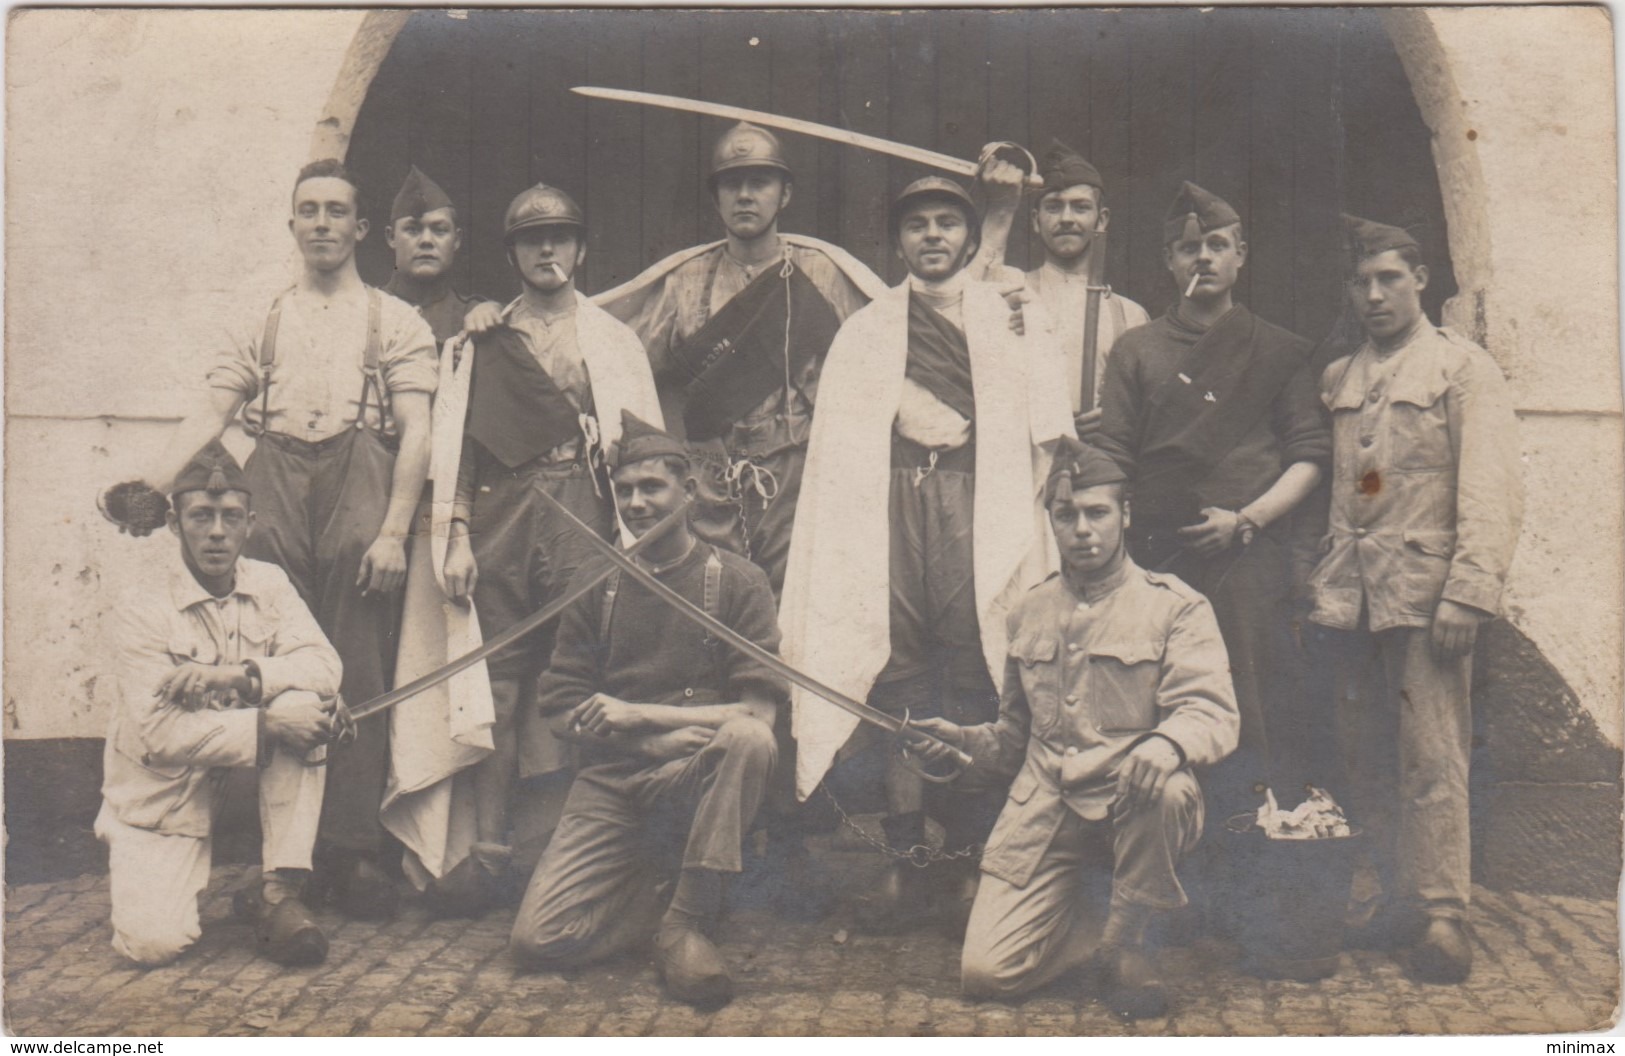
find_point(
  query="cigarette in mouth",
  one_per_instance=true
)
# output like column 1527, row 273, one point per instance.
column 1196, row 277
column 563, row 277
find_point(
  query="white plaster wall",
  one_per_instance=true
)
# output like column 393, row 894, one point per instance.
column 149, row 156
column 1521, row 103
column 149, row 159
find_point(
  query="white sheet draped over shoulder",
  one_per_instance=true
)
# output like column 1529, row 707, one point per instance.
column 835, row 614
column 439, row 733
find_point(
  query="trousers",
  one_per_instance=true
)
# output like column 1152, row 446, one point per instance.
column 594, row 892
column 752, row 514
column 1019, row 938
column 156, row 877
column 318, row 507
column 1405, row 727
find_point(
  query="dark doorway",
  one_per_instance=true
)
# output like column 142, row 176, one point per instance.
column 1292, row 115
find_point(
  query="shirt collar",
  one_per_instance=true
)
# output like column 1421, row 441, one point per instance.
column 1098, row 590
column 185, row 591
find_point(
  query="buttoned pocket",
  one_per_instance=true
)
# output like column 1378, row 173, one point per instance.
column 258, row 629
column 1040, row 676
column 189, row 649
column 1123, row 679
column 1420, row 428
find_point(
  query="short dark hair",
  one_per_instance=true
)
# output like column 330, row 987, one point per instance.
column 324, row 168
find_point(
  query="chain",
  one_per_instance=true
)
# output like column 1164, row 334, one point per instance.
column 920, row 855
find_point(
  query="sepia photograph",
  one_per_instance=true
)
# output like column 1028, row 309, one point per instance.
column 1041, row 521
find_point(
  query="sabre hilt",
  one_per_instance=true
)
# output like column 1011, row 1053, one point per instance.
column 960, row 760
column 1015, row 154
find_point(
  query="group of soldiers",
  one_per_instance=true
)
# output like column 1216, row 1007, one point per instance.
column 1033, row 526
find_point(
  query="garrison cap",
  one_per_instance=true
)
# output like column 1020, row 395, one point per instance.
column 213, row 470
column 540, row 206
column 1063, row 167
column 418, row 195
column 1078, row 465
column 747, row 146
column 641, row 441
column 1367, row 238
column 1194, row 213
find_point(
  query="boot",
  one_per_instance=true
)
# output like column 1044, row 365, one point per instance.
column 687, row 960
column 1444, row 955
column 474, row 886
column 1129, row 983
column 904, row 899
column 283, row 928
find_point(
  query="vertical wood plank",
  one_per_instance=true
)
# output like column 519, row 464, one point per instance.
column 1008, row 95
column 1270, row 173
column 498, row 163
column 830, row 194
column 1059, row 79
column 962, row 82
column 1316, row 163
column 559, row 145
column 732, row 70
column 1160, row 151
column 380, row 148
column 794, row 44
column 1110, row 141
column 912, row 45
column 1221, row 109
column 863, row 54
column 673, row 153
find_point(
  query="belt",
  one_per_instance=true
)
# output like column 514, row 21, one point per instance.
column 314, row 448
column 906, row 454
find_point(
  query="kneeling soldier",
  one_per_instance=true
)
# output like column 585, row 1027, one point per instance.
column 637, row 685
column 223, row 667
column 1117, row 684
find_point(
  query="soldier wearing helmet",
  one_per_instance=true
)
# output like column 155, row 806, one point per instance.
column 919, row 527
column 546, row 378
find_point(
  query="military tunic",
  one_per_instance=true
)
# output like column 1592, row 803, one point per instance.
column 1427, row 499
column 1090, row 676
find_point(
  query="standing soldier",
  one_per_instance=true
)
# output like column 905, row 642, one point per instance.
column 335, row 384
column 1117, row 685
column 737, row 331
column 424, row 233
column 1070, row 218
column 922, row 521
column 550, row 380
column 1211, row 411
column 1426, row 504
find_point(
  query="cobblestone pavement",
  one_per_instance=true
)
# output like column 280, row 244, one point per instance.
column 1545, row 964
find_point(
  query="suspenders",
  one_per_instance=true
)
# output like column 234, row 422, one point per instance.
column 372, row 383
column 712, row 600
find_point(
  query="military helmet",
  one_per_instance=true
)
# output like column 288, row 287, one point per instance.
column 540, row 206
column 936, row 187
column 748, row 146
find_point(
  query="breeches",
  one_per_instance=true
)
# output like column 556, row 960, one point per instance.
column 593, row 893
column 1019, row 938
column 318, row 507
column 156, row 877
column 1405, row 728
column 934, row 623
column 753, row 513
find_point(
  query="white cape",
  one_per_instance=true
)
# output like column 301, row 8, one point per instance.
column 438, row 734
column 835, row 615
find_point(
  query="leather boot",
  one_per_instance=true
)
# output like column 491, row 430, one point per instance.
column 474, row 886
column 284, row 931
column 1444, row 955
column 903, row 899
column 1129, row 983
column 692, row 967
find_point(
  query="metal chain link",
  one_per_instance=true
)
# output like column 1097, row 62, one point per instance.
column 920, row 855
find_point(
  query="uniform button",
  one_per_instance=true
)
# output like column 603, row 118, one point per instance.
column 688, row 694
column 1360, row 532
column 1071, row 702
column 1367, row 441
column 1072, row 647
column 1083, row 606
column 1072, row 750
column 1375, row 393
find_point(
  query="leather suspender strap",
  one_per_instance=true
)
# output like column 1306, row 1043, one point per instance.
column 713, row 585
column 612, row 585
column 267, row 359
column 711, row 599
column 372, row 381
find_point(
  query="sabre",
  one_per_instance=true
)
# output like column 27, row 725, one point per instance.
column 623, row 561
column 518, row 630
column 946, row 162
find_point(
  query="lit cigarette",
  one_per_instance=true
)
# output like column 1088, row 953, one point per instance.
column 565, row 278
column 1196, row 277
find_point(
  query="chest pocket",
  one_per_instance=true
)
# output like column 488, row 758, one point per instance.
column 258, row 630
column 1040, row 676
column 187, row 648
column 1123, row 676
column 1419, row 434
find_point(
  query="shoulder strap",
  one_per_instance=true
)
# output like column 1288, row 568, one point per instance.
column 713, row 585
column 268, row 357
column 612, row 586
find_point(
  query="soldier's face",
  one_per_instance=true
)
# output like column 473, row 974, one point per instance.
column 1217, row 257
column 1386, row 292
column 547, row 257
column 1068, row 220
column 212, row 529
column 749, row 200
column 931, row 239
column 425, row 246
column 325, row 223
column 1089, row 529
column 647, row 492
